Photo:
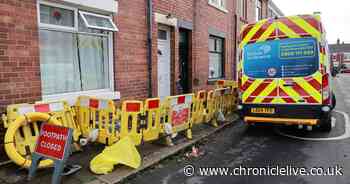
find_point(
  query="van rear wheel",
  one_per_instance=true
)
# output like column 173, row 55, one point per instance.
column 326, row 124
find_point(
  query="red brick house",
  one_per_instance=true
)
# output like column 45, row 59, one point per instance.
column 59, row 49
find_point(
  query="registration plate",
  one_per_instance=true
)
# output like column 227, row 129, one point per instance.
column 263, row 110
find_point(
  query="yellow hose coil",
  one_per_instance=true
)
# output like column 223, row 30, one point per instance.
column 9, row 141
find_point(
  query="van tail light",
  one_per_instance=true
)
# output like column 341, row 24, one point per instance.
column 325, row 90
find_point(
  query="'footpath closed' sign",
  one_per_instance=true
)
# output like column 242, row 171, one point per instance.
column 51, row 142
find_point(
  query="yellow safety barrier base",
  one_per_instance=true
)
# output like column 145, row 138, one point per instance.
column 123, row 152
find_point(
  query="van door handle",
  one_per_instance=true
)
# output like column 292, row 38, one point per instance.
column 289, row 84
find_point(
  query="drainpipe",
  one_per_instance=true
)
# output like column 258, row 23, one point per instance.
column 234, row 72
column 149, row 45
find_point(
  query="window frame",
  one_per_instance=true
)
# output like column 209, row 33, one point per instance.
column 221, row 5
column 273, row 11
column 259, row 10
column 244, row 9
column 83, row 13
column 52, row 26
column 71, row 96
column 223, row 50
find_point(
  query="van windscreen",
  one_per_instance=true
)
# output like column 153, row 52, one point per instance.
column 292, row 57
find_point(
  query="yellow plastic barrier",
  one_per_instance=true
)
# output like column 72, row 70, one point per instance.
column 12, row 113
column 93, row 113
column 178, row 114
column 152, row 127
column 226, row 83
column 226, row 101
column 199, row 109
column 14, row 141
column 233, row 100
column 60, row 110
column 220, row 83
column 211, row 109
column 131, row 117
column 219, row 102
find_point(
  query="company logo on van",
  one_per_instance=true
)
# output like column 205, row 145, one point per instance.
column 265, row 49
column 261, row 52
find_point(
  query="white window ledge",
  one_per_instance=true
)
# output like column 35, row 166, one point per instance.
column 72, row 97
column 218, row 7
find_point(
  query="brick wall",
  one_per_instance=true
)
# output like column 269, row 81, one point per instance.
column 251, row 15
column 210, row 17
column 203, row 16
column 130, row 49
column 182, row 9
column 19, row 53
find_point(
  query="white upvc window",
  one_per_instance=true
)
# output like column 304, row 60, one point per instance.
column 258, row 10
column 272, row 12
column 219, row 4
column 76, row 55
column 243, row 9
column 95, row 21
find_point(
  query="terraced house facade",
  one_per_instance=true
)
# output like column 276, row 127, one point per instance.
column 128, row 49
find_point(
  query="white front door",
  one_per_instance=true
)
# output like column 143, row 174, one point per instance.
column 163, row 61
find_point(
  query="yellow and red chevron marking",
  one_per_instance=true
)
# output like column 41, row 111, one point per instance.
column 285, row 27
column 303, row 90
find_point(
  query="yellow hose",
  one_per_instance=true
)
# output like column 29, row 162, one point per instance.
column 10, row 146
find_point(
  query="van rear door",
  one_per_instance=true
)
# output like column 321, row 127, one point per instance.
column 284, row 71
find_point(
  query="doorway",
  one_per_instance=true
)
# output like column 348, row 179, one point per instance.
column 164, row 58
column 184, row 60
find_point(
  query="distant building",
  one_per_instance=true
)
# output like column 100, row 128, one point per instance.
column 340, row 56
column 266, row 9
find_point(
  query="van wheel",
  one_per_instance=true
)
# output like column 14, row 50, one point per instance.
column 326, row 124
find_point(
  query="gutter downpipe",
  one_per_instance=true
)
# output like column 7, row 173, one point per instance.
column 149, row 45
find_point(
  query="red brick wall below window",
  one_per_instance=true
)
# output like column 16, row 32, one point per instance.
column 19, row 53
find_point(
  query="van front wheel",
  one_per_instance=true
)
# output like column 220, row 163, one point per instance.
column 326, row 124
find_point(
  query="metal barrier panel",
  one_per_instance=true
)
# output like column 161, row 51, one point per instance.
column 178, row 114
column 93, row 113
column 152, row 127
column 199, row 107
column 132, row 115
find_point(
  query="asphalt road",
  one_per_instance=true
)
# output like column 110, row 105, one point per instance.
column 267, row 146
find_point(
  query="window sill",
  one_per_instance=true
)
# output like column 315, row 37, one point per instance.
column 72, row 97
column 219, row 8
